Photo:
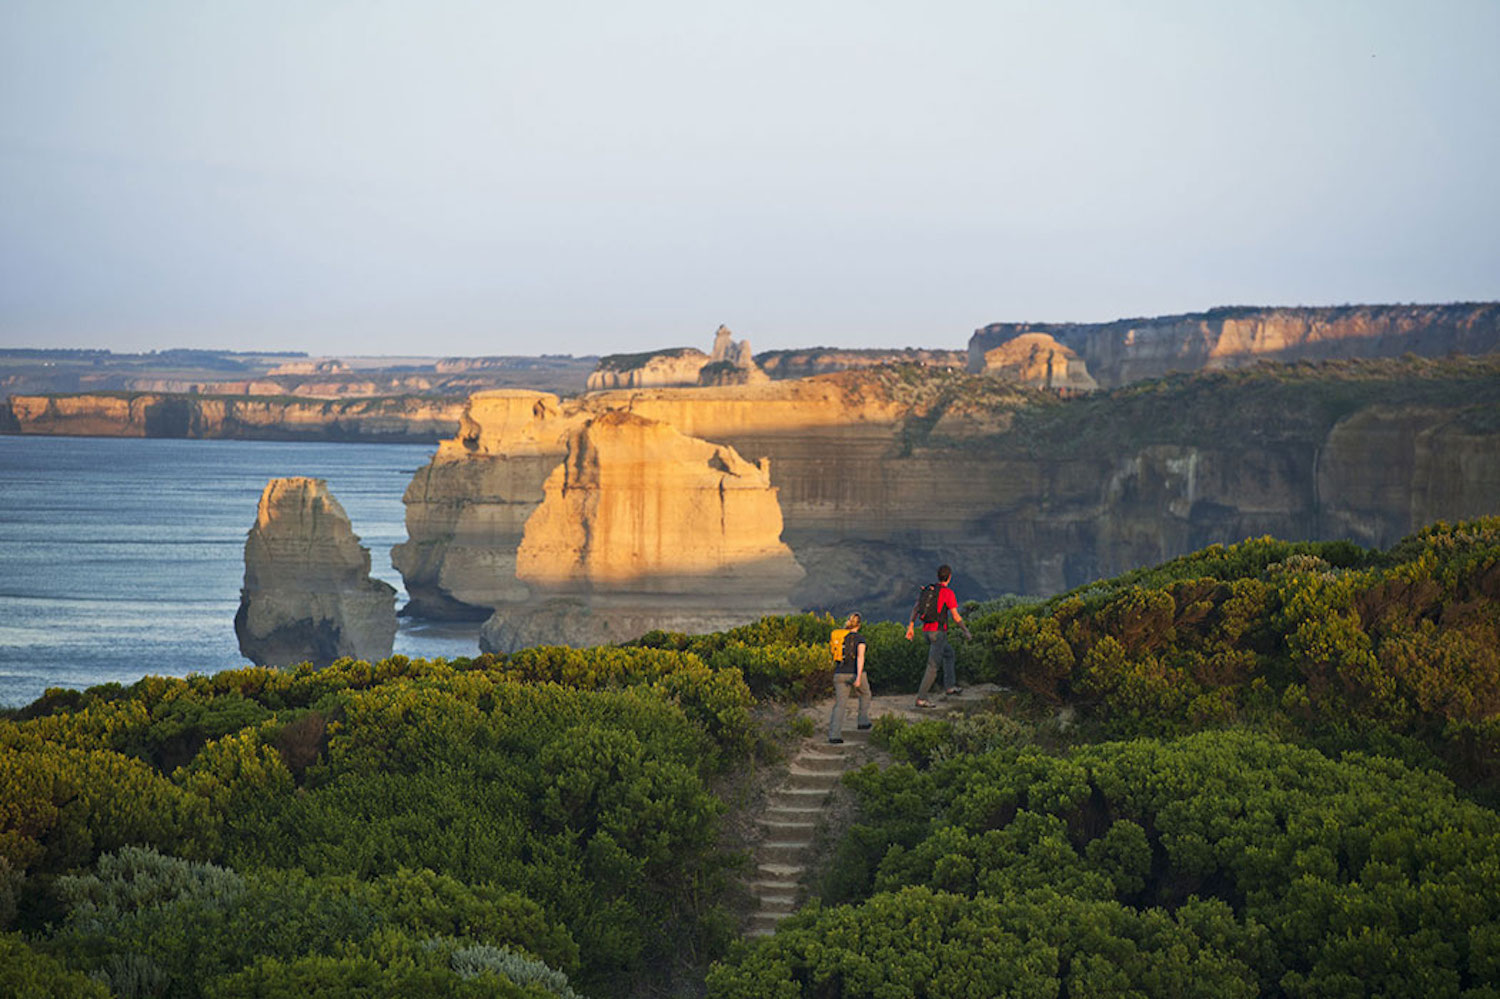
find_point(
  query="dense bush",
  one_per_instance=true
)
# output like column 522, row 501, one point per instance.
column 1223, row 863
column 1396, row 651
column 570, row 784
column 145, row 922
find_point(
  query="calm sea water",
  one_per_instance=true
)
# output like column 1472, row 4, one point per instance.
column 123, row 557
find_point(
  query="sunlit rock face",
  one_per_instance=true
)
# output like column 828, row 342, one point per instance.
column 642, row 527
column 466, row 509
column 1129, row 350
column 1037, row 360
column 308, row 595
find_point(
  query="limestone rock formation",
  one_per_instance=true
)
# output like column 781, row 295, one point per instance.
column 1128, row 350
column 731, row 363
column 1038, row 360
column 642, row 527
column 883, row 473
column 677, row 366
column 308, row 595
column 466, row 509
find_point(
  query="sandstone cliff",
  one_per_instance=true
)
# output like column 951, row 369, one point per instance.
column 1129, row 350
column 883, row 473
column 404, row 419
column 308, row 595
column 641, row 528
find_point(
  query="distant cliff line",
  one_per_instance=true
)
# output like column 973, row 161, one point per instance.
column 1129, row 350
column 389, row 420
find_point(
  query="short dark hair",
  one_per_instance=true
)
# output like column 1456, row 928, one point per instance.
column 944, row 574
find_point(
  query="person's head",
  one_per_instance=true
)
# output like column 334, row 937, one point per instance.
column 944, row 574
column 853, row 622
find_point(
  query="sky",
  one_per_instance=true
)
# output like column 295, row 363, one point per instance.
column 442, row 177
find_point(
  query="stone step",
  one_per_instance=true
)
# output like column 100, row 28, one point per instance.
column 790, row 825
column 774, row 871
column 821, row 763
column 799, row 811
column 796, row 778
column 783, row 851
column 802, row 796
column 776, row 886
column 778, row 903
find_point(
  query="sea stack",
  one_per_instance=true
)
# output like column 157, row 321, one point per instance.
column 308, row 595
column 642, row 527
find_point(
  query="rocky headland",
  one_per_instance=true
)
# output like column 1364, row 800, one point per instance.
column 882, row 473
column 308, row 594
column 1127, row 350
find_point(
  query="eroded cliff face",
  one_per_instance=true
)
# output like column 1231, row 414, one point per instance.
column 406, row 419
column 881, row 475
column 641, row 528
column 1038, row 360
column 308, row 595
column 1129, row 350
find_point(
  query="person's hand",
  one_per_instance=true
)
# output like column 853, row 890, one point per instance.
column 968, row 635
column 910, row 630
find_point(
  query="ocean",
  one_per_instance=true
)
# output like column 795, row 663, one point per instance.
column 122, row 557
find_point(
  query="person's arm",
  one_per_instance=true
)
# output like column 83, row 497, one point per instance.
column 859, row 666
column 958, row 618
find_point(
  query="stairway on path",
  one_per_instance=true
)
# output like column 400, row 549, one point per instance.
column 791, row 822
column 796, row 806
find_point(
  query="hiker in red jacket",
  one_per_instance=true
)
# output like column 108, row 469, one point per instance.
column 940, row 604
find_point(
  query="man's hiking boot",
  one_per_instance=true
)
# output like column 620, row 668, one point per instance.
column 864, row 726
column 923, row 702
column 954, row 691
column 835, row 742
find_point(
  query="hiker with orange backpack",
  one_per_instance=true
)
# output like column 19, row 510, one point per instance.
column 935, row 604
column 848, row 647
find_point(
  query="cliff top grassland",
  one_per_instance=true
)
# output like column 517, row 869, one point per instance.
column 627, row 362
column 1265, row 402
column 1272, row 774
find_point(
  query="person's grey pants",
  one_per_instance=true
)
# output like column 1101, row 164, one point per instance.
column 842, row 683
column 938, row 650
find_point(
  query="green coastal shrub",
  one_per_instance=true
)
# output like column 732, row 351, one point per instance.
column 143, row 920
column 1302, row 874
column 1396, row 651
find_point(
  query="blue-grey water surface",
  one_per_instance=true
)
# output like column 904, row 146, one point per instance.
column 122, row 557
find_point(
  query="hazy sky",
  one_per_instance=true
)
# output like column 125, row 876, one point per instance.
column 445, row 177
